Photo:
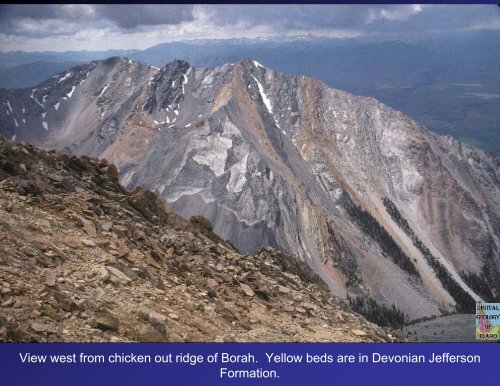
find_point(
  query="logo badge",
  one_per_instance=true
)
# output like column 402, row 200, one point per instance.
column 487, row 321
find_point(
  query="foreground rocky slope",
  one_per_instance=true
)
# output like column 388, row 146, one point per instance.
column 387, row 213
column 82, row 259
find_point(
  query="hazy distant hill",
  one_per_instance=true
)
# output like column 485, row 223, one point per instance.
column 27, row 75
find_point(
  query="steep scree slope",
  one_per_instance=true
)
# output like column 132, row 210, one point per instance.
column 379, row 207
column 82, row 259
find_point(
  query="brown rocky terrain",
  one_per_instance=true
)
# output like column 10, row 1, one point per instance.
column 401, row 222
column 83, row 259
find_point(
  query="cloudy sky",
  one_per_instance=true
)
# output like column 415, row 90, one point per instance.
column 102, row 27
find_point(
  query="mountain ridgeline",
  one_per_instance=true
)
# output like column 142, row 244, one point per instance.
column 402, row 222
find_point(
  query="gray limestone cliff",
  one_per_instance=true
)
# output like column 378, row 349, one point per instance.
column 383, row 210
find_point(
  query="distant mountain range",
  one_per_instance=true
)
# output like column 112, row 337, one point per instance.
column 450, row 84
column 30, row 74
column 396, row 219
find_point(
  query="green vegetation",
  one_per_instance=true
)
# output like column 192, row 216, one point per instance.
column 377, row 313
column 390, row 248
column 480, row 283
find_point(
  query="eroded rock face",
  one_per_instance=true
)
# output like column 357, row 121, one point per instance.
column 378, row 206
column 90, row 261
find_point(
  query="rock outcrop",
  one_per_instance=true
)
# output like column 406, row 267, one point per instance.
column 383, row 210
column 83, row 259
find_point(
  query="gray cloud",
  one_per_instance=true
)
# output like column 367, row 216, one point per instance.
column 439, row 18
column 70, row 12
column 137, row 26
column 303, row 17
column 370, row 19
column 52, row 19
column 135, row 15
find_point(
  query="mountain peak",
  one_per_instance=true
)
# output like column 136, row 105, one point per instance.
column 113, row 60
column 349, row 185
column 177, row 64
column 251, row 63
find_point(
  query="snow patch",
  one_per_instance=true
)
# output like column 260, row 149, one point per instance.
column 155, row 121
column 257, row 64
column 66, row 76
column 44, row 98
column 15, row 122
column 13, row 138
column 43, row 115
column 185, row 78
column 56, row 106
column 188, row 125
column 263, row 95
column 45, row 126
column 103, row 90
column 24, row 110
column 32, row 96
column 71, row 92
column 24, row 121
column 38, row 103
column 9, row 106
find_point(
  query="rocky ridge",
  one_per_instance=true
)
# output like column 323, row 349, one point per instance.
column 383, row 210
column 83, row 259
